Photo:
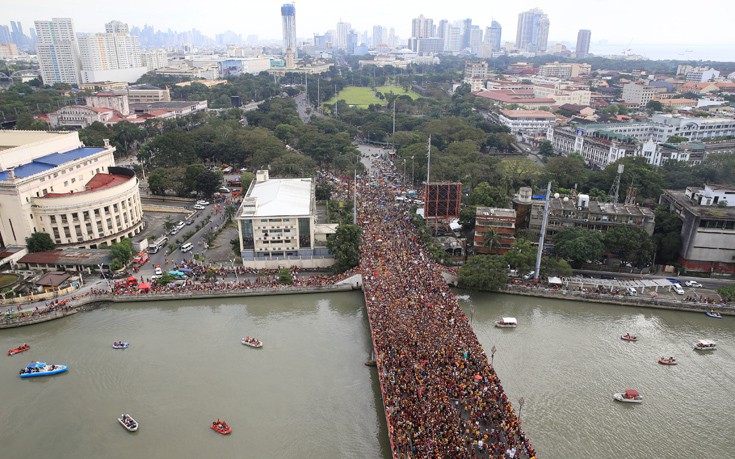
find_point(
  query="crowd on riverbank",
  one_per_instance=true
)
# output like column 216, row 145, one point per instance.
column 442, row 397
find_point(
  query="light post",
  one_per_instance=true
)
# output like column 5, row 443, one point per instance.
column 492, row 355
column 521, row 401
column 404, row 171
column 232, row 262
column 412, row 163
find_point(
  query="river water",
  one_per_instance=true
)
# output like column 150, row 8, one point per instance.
column 308, row 394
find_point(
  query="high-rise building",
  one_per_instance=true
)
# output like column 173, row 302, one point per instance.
column 288, row 15
column 583, row 43
column 5, row 35
column 380, row 36
column 533, row 31
column 113, row 50
column 341, row 40
column 466, row 33
column 422, row 27
column 18, row 37
column 58, row 51
column 493, row 35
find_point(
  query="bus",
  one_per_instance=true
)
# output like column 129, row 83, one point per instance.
column 157, row 245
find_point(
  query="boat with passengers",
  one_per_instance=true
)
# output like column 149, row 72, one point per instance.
column 252, row 342
column 705, row 345
column 507, row 322
column 629, row 396
column 667, row 361
column 629, row 337
column 34, row 369
column 120, row 345
column 221, row 427
column 22, row 348
column 127, row 421
column 713, row 313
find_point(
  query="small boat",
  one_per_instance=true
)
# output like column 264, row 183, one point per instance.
column 629, row 396
column 34, row 369
column 714, row 314
column 220, row 427
column 667, row 361
column 252, row 342
column 22, row 348
column 705, row 345
column 120, row 345
column 507, row 322
column 128, row 422
column 629, row 337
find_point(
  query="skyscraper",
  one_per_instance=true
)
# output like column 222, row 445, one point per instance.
column 115, row 49
column 288, row 14
column 493, row 35
column 533, row 31
column 583, row 43
column 422, row 27
column 380, row 36
column 341, row 39
column 466, row 33
column 58, row 51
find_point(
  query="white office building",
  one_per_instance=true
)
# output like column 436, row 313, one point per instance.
column 277, row 225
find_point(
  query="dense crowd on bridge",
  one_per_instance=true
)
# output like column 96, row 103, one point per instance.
column 441, row 394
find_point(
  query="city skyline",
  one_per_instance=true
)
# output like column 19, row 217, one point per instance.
column 318, row 16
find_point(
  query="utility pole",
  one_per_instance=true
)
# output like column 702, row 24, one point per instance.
column 394, row 116
column 354, row 201
column 428, row 163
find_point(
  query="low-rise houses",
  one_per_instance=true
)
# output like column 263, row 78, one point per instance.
column 527, row 122
column 495, row 230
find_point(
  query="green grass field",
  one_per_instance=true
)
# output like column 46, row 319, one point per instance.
column 361, row 96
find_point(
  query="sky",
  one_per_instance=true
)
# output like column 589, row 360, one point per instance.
column 639, row 25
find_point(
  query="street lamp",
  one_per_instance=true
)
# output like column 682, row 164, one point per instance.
column 412, row 163
column 521, row 401
column 492, row 355
column 404, row 170
column 232, row 262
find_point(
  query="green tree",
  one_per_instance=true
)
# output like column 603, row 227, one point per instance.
column 727, row 293
column 484, row 272
column 522, row 255
column 284, row 276
column 578, row 245
column 344, row 244
column 235, row 245
column 485, row 195
column 566, row 171
column 40, row 242
column 630, row 244
column 121, row 253
column 546, row 148
column 467, row 218
column 551, row 266
column 654, row 106
column 676, row 139
column 323, row 191
column 667, row 235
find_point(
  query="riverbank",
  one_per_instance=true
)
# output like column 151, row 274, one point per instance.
column 620, row 300
column 92, row 301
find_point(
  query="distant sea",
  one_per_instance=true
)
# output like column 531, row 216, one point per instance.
column 658, row 51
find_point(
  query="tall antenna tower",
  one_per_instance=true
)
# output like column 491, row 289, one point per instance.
column 613, row 194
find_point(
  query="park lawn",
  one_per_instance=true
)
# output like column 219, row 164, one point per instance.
column 397, row 90
column 360, row 96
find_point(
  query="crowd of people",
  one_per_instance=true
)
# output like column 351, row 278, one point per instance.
column 441, row 394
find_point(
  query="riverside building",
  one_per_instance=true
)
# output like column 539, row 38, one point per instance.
column 277, row 225
column 51, row 182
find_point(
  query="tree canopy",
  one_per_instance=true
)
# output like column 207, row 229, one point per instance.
column 40, row 242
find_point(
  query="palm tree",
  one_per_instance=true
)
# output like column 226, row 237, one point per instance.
column 489, row 239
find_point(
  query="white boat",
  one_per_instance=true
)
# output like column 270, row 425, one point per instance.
column 128, row 422
column 705, row 345
column 629, row 396
column 507, row 322
column 252, row 342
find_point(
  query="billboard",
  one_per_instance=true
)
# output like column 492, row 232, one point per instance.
column 442, row 200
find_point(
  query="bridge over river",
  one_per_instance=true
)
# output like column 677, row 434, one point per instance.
column 441, row 395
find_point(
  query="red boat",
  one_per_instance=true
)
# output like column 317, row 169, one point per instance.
column 669, row 361
column 220, row 427
column 19, row 349
column 629, row 337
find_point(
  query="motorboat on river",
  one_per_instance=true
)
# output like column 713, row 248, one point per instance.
column 714, row 314
column 34, row 369
column 507, row 322
column 629, row 337
column 629, row 396
column 252, row 342
column 705, row 345
column 22, row 348
column 221, row 427
column 120, row 345
column 128, row 422
column 667, row 361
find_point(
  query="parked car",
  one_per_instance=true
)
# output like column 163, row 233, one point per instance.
column 190, row 222
column 158, row 271
column 203, row 202
column 174, row 231
column 199, row 207
column 529, row 276
column 692, row 283
column 678, row 289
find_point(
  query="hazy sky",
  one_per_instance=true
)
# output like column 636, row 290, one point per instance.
column 678, row 23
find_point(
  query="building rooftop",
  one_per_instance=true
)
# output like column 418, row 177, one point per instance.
column 98, row 182
column 281, row 197
column 51, row 161
column 709, row 212
column 494, row 212
column 71, row 257
column 527, row 114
